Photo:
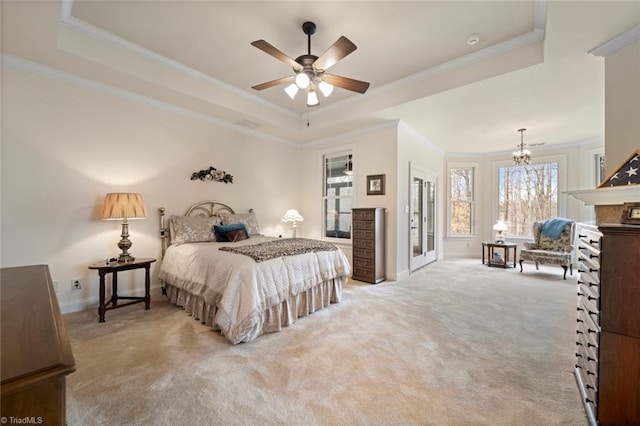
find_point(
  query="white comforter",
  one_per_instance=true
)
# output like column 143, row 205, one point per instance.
column 240, row 288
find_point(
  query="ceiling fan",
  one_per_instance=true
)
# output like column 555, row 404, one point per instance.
column 310, row 70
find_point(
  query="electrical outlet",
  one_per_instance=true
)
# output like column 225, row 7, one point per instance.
column 76, row 284
column 56, row 286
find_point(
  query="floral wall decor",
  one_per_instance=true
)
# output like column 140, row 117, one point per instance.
column 212, row 174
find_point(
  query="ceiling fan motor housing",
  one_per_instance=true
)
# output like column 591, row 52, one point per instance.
column 309, row 28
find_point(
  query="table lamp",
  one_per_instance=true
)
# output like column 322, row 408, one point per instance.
column 124, row 206
column 292, row 215
column 500, row 227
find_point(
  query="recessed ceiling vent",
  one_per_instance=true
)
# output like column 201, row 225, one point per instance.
column 248, row 124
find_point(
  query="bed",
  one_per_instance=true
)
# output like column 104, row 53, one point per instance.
column 245, row 284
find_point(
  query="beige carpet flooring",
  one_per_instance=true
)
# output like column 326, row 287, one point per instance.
column 457, row 343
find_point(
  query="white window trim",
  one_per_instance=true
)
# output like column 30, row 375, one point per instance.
column 462, row 165
column 561, row 159
column 341, row 150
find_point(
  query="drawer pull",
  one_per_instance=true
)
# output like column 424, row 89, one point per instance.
column 582, row 236
column 578, row 355
column 578, row 366
column 594, row 256
column 581, row 294
column 578, row 343
column 593, row 285
column 592, row 298
column 590, row 359
column 579, row 320
column 591, row 331
column 593, row 241
column 589, row 401
column 590, row 387
column 580, row 309
column 590, row 345
column 579, row 332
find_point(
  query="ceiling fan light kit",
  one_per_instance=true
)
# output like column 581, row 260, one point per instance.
column 310, row 70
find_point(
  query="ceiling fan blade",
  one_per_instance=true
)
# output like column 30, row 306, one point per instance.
column 338, row 50
column 276, row 53
column 346, row 83
column 277, row 82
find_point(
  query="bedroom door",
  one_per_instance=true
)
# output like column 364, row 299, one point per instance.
column 422, row 238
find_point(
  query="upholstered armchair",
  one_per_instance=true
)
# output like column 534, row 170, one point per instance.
column 553, row 244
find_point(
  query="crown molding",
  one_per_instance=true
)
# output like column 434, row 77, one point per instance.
column 75, row 25
column 85, row 83
column 351, row 134
column 618, row 42
column 405, row 127
column 540, row 149
column 537, row 34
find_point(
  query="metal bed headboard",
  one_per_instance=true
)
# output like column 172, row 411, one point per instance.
column 202, row 208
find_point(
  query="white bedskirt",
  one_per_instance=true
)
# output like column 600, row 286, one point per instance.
column 270, row 320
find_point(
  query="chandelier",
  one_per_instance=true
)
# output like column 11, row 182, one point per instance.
column 521, row 156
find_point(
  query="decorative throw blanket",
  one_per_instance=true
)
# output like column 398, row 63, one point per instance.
column 281, row 247
column 553, row 228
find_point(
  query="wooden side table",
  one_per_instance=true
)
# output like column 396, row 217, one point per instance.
column 489, row 248
column 113, row 268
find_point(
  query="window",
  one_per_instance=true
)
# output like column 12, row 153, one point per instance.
column 527, row 194
column 337, row 195
column 461, row 200
column 599, row 159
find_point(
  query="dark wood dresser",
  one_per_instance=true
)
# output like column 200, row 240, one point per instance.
column 35, row 354
column 608, row 333
column 368, row 245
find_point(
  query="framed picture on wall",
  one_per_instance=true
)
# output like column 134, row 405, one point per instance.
column 375, row 185
column 631, row 213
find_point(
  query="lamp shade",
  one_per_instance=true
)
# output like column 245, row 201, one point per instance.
column 500, row 226
column 312, row 98
column 123, row 205
column 292, row 215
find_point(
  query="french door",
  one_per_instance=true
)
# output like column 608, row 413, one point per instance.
column 422, row 218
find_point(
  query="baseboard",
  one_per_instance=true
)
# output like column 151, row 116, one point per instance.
column 92, row 302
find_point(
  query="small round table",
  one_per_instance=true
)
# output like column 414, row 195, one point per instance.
column 493, row 257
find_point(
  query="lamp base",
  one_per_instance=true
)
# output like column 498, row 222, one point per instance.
column 125, row 244
column 125, row 257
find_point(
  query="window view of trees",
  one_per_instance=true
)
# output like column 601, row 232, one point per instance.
column 527, row 194
column 461, row 196
column 337, row 196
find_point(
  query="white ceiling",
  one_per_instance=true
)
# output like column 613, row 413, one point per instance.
column 530, row 69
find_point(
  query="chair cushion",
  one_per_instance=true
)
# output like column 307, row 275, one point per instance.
column 546, row 257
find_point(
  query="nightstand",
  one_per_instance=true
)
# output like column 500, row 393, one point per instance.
column 113, row 268
column 493, row 257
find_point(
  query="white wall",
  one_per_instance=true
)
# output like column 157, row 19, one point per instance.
column 622, row 105
column 65, row 146
column 417, row 151
column 385, row 149
column 374, row 152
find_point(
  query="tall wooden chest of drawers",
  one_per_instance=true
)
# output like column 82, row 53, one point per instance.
column 608, row 333
column 368, row 245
